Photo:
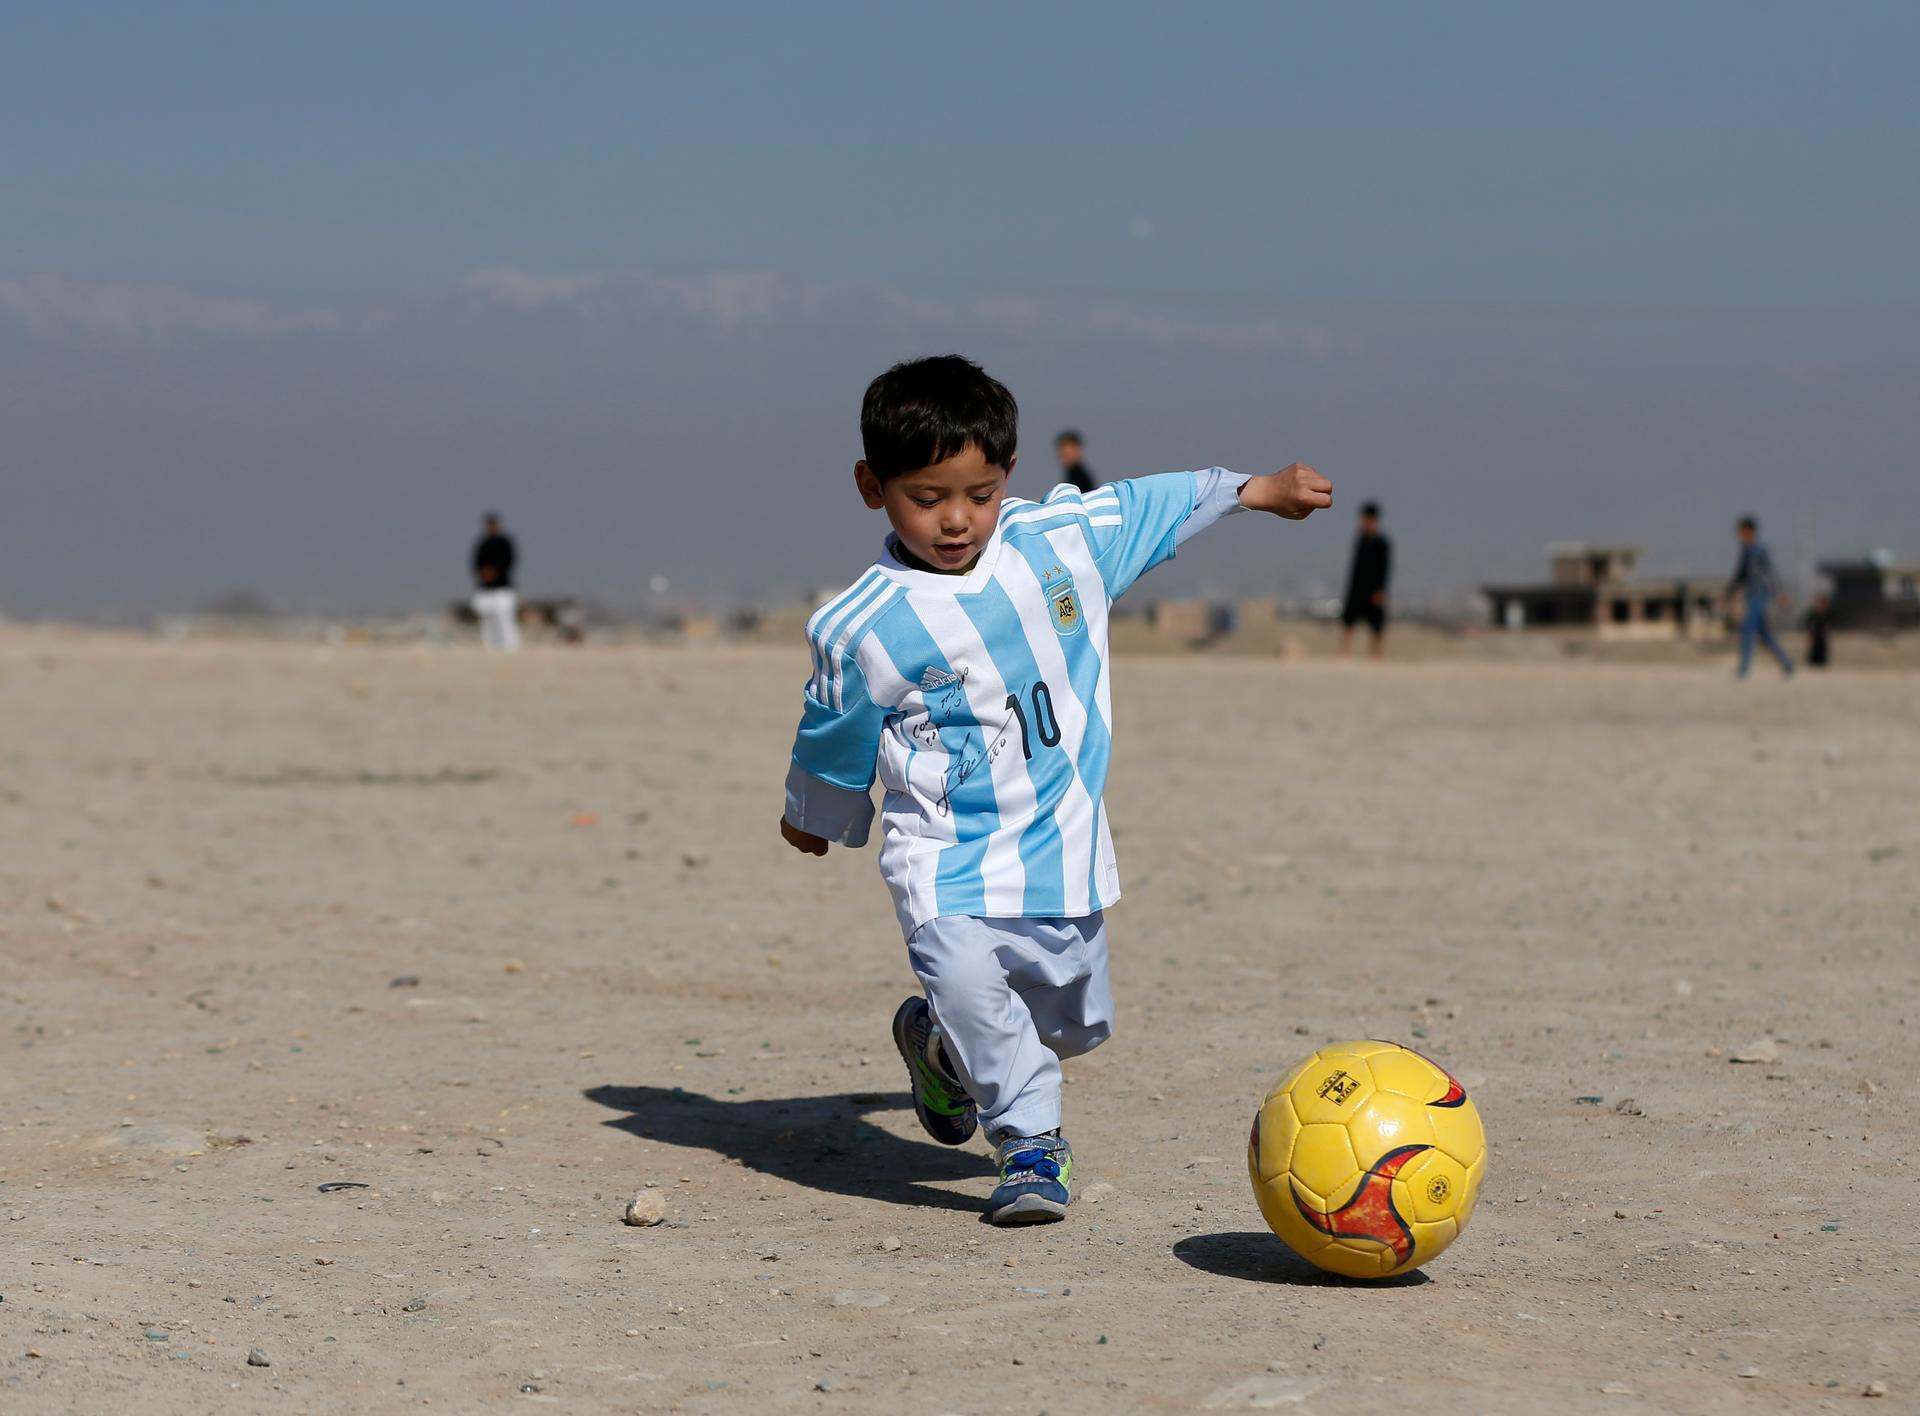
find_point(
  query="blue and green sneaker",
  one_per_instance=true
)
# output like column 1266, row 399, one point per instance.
column 945, row 1110
column 1034, row 1172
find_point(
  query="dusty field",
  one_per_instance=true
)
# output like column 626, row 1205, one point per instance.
column 221, row 863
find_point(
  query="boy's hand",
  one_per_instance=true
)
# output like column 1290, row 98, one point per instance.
column 1295, row 492
column 802, row 840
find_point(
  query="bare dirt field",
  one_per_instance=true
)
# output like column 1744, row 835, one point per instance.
column 507, row 941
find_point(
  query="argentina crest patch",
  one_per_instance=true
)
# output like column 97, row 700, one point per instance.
column 1063, row 605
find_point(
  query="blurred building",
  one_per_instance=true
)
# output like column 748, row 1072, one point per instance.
column 1594, row 589
column 1873, row 592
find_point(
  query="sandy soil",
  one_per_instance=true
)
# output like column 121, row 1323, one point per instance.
column 223, row 863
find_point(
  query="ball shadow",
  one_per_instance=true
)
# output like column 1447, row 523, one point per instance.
column 1258, row 1256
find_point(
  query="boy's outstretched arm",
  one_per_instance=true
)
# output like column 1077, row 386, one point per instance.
column 1295, row 492
column 1136, row 524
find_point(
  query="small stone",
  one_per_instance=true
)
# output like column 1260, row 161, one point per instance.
column 1748, row 1372
column 1627, row 1106
column 1874, row 1389
column 1010, row 1261
column 1866, row 1087
column 258, row 1358
column 515, row 966
column 1759, row 1050
column 860, row 1298
column 824, row 1384
column 155, row 1335
column 1619, row 1214
column 414, row 1305
column 404, row 981
column 1616, row 1389
column 633, row 1332
column 645, row 1209
column 890, row 1244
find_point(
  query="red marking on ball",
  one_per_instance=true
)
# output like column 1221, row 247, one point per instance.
column 1371, row 1214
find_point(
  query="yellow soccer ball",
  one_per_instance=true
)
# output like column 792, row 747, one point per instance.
column 1367, row 1158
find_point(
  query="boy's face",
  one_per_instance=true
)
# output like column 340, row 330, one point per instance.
column 944, row 515
column 1068, row 451
column 1747, row 534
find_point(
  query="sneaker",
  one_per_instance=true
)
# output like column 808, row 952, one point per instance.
column 1034, row 1171
column 945, row 1110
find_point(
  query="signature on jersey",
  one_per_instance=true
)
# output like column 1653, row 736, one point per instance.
column 970, row 761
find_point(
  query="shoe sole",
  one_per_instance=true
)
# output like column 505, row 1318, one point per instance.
column 1029, row 1209
column 913, row 1076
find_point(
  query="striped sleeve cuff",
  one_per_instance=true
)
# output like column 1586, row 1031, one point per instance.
column 1216, row 493
column 822, row 809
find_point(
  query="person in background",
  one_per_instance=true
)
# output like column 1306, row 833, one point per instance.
column 1754, row 578
column 1071, row 450
column 1818, row 622
column 1367, row 579
column 494, row 601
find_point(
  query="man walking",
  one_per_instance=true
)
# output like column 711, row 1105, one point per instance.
column 1753, row 576
column 1367, row 580
column 494, row 602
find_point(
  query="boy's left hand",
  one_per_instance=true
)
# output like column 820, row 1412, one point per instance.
column 802, row 840
column 1295, row 492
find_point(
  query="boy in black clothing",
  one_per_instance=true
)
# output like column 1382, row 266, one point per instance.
column 1367, row 582
column 1072, row 452
column 1819, row 620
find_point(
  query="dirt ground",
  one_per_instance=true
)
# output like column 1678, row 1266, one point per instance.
column 506, row 941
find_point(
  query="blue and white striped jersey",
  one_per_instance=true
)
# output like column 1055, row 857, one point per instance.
column 981, row 703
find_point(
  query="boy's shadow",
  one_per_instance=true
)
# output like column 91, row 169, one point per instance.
column 823, row 1142
column 1260, row 1257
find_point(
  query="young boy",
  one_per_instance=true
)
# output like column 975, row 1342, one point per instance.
column 967, row 669
column 1367, row 576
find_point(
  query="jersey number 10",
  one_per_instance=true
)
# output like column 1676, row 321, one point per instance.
column 1043, row 718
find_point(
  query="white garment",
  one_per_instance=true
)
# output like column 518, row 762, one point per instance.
column 1011, row 998
column 499, row 612
column 981, row 703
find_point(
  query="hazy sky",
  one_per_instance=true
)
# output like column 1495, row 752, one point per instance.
column 288, row 294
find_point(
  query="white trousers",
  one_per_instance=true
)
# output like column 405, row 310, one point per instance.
column 499, row 612
column 1012, row 997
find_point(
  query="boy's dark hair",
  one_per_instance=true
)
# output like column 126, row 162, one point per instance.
column 927, row 410
column 1748, row 523
column 1069, row 435
column 1370, row 509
